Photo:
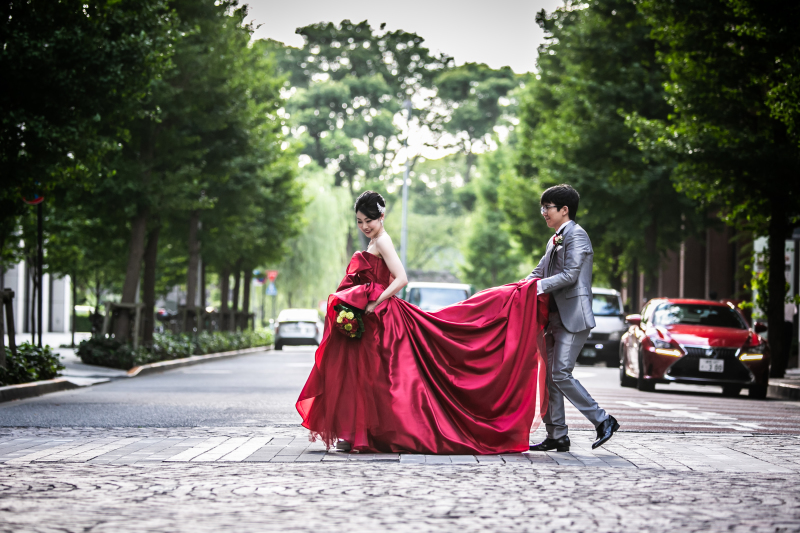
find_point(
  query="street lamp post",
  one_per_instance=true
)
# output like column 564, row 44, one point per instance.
column 404, row 230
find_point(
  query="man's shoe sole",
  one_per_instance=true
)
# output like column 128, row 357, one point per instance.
column 558, row 449
column 599, row 443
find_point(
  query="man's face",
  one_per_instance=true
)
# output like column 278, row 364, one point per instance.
column 554, row 216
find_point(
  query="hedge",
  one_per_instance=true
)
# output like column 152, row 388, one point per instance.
column 111, row 353
column 30, row 364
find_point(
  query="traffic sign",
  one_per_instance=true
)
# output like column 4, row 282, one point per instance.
column 271, row 290
column 271, row 275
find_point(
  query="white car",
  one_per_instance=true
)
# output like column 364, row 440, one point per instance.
column 603, row 342
column 298, row 327
column 430, row 296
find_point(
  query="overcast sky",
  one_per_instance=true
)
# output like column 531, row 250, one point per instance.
column 495, row 32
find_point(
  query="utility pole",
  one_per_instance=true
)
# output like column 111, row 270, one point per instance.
column 404, row 230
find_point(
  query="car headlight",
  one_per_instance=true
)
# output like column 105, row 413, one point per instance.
column 662, row 347
column 615, row 336
column 752, row 353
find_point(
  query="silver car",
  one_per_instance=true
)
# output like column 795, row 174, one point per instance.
column 430, row 296
column 298, row 327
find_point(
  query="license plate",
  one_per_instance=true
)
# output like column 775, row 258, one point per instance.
column 589, row 352
column 712, row 365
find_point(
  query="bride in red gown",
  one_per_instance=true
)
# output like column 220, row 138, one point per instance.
column 467, row 379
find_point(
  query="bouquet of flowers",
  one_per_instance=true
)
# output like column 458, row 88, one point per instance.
column 348, row 321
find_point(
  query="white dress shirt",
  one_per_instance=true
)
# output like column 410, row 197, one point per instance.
column 560, row 228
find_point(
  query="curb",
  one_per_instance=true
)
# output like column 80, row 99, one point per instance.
column 784, row 391
column 34, row 388
column 163, row 366
column 37, row 388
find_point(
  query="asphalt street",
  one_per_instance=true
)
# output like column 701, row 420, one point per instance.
column 260, row 390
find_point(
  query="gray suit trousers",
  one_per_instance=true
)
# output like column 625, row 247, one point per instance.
column 563, row 348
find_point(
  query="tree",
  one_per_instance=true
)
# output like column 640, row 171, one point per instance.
column 732, row 67
column 318, row 256
column 492, row 257
column 598, row 65
column 76, row 69
column 474, row 96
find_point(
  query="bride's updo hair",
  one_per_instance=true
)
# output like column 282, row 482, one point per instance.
column 371, row 204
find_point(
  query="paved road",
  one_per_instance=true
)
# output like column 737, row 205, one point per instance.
column 260, row 390
column 195, row 450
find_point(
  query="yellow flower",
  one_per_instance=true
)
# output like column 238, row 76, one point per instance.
column 352, row 335
column 339, row 319
column 342, row 314
column 348, row 327
column 350, row 316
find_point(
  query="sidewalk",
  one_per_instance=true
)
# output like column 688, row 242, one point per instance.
column 788, row 387
column 653, row 451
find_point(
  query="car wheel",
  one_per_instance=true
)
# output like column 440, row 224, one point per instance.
column 731, row 391
column 644, row 385
column 758, row 392
column 612, row 362
column 278, row 346
column 624, row 379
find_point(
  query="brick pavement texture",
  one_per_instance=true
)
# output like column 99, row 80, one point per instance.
column 274, row 479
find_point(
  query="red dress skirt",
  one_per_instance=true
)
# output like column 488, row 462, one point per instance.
column 467, row 379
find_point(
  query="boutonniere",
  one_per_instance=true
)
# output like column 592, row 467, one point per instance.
column 558, row 240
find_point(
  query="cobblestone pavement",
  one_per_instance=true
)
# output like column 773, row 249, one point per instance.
column 373, row 496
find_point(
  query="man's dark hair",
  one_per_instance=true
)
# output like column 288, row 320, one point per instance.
column 560, row 196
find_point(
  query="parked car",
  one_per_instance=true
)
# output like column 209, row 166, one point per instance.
column 298, row 327
column 430, row 296
column 701, row 342
column 603, row 342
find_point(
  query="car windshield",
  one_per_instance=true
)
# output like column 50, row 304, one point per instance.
column 605, row 305
column 432, row 298
column 697, row 315
column 298, row 315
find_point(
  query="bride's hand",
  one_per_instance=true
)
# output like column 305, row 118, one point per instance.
column 371, row 307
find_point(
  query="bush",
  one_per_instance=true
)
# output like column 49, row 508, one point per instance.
column 166, row 346
column 30, row 364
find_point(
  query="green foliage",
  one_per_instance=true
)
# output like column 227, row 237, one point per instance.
column 598, row 66
column 351, row 81
column 111, row 353
column 30, row 364
column 77, row 68
column 316, row 263
column 492, row 256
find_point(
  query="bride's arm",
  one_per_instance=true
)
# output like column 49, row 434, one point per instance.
column 389, row 254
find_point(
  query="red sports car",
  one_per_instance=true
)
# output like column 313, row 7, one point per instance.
column 700, row 342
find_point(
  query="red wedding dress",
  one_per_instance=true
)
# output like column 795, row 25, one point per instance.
column 467, row 379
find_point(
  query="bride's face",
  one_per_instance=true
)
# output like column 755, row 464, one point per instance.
column 369, row 227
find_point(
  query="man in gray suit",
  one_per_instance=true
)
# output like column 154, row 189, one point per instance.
column 565, row 273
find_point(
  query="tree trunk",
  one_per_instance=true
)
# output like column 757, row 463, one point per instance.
column 224, row 293
column 776, row 289
column 203, row 286
column 470, row 163
column 194, row 261
column 237, row 285
column 191, row 275
column 132, row 272
column 248, row 278
column 149, row 286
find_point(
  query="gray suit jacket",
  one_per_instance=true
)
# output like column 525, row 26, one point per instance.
column 569, row 278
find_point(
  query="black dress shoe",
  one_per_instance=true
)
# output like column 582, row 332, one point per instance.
column 604, row 431
column 559, row 445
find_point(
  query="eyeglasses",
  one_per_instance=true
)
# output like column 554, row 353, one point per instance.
column 546, row 208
